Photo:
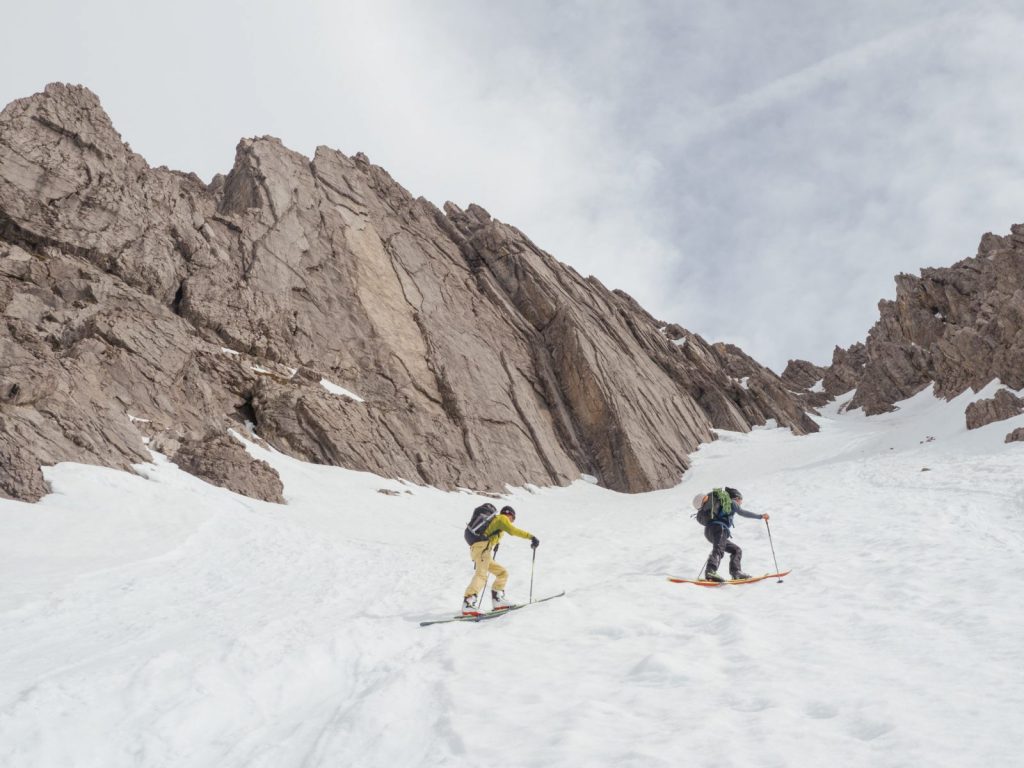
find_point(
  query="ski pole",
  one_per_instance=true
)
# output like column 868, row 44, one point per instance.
column 773, row 550
column 706, row 559
column 532, row 564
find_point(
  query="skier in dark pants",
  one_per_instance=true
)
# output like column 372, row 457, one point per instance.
column 718, row 508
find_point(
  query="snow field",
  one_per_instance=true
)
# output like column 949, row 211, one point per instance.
column 153, row 620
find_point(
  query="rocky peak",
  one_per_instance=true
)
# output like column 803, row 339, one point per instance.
column 807, row 381
column 801, row 374
column 954, row 328
column 846, row 370
column 959, row 327
column 342, row 320
column 73, row 112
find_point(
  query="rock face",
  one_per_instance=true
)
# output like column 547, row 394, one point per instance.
column 847, row 369
column 1016, row 436
column 806, row 380
column 346, row 321
column 801, row 374
column 221, row 460
column 1004, row 405
column 959, row 327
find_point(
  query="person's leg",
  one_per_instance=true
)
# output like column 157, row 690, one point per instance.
column 501, row 576
column 481, row 556
column 716, row 535
column 735, row 557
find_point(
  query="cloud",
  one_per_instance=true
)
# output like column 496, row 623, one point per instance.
column 753, row 171
column 895, row 157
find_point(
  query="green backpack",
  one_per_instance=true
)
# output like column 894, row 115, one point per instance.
column 718, row 505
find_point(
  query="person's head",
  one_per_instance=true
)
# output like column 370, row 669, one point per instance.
column 734, row 495
column 509, row 513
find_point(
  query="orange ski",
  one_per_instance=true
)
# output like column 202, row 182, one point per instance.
column 751, row 580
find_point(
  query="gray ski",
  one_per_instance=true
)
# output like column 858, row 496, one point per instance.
column 490, row 614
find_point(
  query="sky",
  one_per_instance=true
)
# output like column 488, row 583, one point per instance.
column 756, row 172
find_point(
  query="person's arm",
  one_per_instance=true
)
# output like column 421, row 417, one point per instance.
column 502, row 523
column 744, row 513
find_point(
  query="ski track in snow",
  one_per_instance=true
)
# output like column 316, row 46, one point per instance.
column 153, row 620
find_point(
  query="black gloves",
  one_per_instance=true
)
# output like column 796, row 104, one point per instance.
column 534, row 542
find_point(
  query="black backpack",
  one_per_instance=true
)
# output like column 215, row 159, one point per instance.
column 717, row 505
column 478, row 522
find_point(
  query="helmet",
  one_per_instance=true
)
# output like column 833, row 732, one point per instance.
column 698, row 500
column 508, row 511
column 733, row 493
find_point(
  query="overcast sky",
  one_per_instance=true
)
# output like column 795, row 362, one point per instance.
column 754, row 171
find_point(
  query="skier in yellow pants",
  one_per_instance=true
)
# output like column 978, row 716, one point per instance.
column 483, row 535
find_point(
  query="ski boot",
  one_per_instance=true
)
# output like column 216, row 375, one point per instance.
column 739, row 575
column 713, row 576
column 498, row 601
column 469, row 606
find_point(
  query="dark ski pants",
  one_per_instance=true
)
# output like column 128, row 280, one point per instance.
column 718, row 535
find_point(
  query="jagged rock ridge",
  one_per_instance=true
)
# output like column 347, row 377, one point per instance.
column 956, row 328
column 141, row 305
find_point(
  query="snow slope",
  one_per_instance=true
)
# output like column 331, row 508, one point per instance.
column 153, row 620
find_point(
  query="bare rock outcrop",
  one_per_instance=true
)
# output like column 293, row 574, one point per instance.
column 1004, row 405
column 1016, row 436
column 221, row 460
column 766, row 394
column 801, row 374
column 348, row 322
column 957, row 327
column 733, row 389
column 846, row 370
column 806, row 380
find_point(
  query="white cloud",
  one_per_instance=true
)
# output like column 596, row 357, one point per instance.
column 757, row 173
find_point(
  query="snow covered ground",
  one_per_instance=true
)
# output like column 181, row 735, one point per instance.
column 154, row 620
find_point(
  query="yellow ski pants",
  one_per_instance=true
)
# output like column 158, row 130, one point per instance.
column 482, row 554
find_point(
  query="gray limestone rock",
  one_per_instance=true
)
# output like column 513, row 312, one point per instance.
column 139, row 304
column 807, row 381
column 1004, row 405
column 959, row 327
column 846, row 369
column 801, row 374
column 223, row 461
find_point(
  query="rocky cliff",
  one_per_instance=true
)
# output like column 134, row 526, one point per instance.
column 338, row 317
column 956, row 327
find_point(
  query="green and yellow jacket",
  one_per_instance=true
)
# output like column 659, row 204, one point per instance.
column 499, row 525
